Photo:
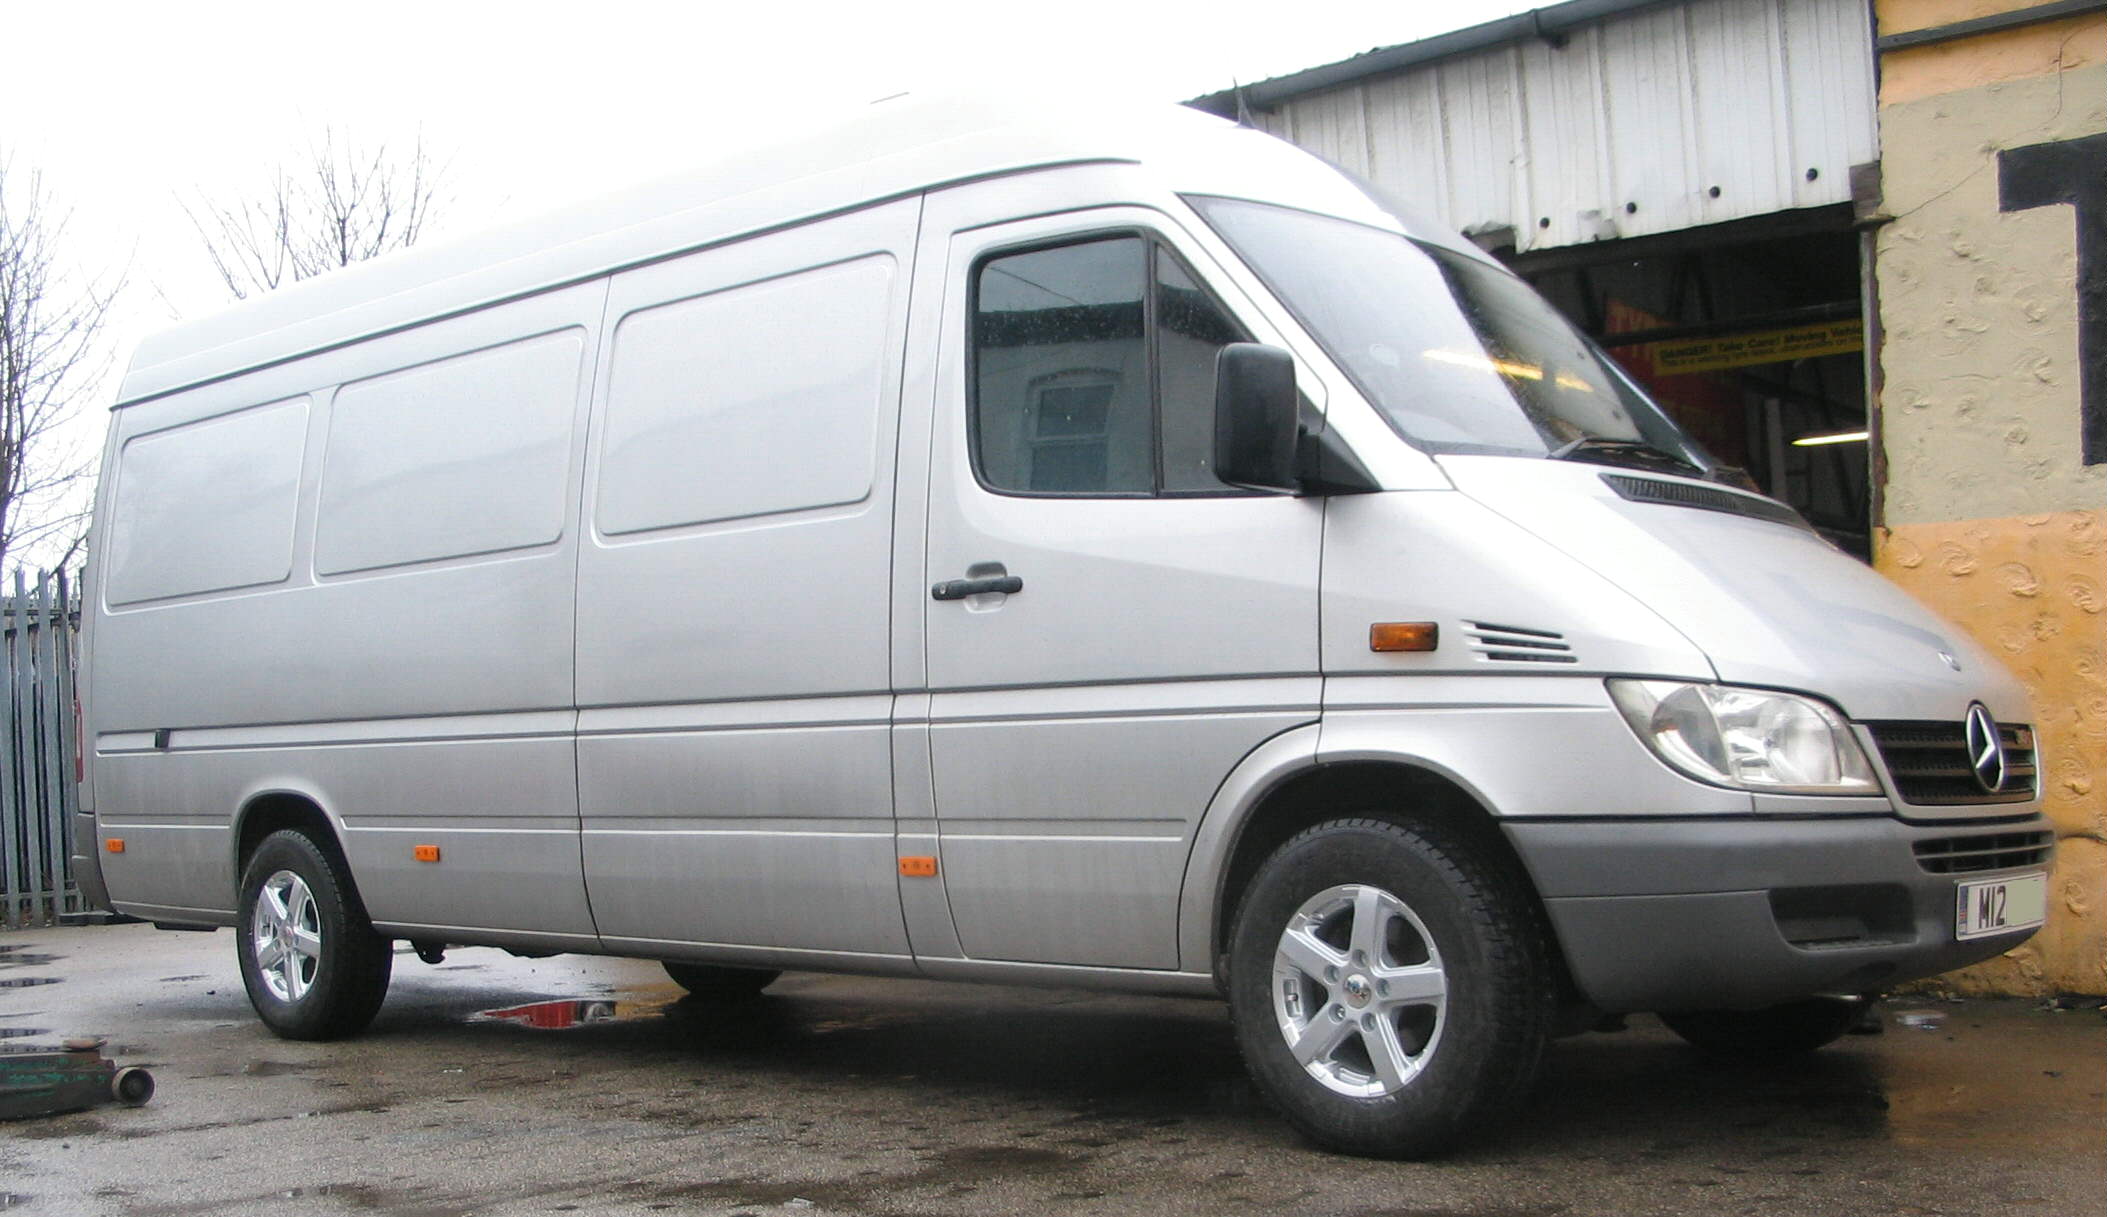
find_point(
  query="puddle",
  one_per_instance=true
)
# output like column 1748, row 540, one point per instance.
column 24, row 982
column 18, row 1033
column 272, row 1069
column 554, row 1015
column 169, row 980
column 10, row 959
column 1918, row 1020
column 9, row 1200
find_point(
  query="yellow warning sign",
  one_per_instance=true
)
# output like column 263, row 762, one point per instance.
column 1764, row 346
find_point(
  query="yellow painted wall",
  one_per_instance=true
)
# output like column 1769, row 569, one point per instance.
column 1991, row 517
column 2035, row 50
column 2033, row 591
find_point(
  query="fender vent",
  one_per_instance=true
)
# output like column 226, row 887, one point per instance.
column 1704, row 498
column 1513, row 644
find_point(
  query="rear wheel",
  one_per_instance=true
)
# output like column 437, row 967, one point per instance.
column 1390, row 985
column 1796, row 1026
column 718, row 982
column 313, row 966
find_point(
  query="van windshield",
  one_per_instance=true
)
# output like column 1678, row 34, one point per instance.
column 1460, row 356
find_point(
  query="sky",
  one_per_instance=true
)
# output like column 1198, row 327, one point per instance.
column 132, row 111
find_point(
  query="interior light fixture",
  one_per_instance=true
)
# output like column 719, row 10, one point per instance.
column 1832, row 437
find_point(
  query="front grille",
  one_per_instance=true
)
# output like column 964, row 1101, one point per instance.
column 1513, row 644
column 1995, row 851
column 1929, row 762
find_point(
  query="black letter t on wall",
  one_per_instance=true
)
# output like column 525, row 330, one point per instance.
column 2073, row 171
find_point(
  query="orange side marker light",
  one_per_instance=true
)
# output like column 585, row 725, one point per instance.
column 114, row 844
column 425, row 853
column 918, row 866
column 1403, row 636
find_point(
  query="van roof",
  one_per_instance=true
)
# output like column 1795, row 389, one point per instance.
column 895, row 148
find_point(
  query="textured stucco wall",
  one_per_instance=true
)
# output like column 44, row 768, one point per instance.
column 1992, row 517
column 1979, row 415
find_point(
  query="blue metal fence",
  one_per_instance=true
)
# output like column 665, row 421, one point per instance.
column 37, row 791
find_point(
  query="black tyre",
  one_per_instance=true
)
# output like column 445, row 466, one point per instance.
column 720, row 983
column 1797, row 1026
column 1392, row 987
column 314, row 968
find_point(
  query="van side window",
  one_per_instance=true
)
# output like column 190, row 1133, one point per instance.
column 1190, row 329
column 1093, row 371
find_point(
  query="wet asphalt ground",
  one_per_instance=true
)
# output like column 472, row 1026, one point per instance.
column 857, row 1096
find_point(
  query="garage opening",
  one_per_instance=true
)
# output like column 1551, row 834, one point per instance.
column 1751, row 334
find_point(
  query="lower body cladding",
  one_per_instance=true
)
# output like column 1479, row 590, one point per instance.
column 1743, row 913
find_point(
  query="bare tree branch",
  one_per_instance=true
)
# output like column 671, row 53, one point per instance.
column 338, row 204
column 52, row 355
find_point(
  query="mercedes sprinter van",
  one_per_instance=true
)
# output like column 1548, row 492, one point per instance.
column 1115, row 550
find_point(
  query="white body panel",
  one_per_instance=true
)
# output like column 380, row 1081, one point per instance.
column 1078, row 727
column 428, row 701
column 733, row 593
column 1769, row 604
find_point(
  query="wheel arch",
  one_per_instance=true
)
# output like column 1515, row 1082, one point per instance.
column 1293, row 793
column 266, row 811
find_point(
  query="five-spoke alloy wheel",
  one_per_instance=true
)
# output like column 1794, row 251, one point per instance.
column 1391, row 984
column 286, row 935
column 313, row 966
column 1358, row 990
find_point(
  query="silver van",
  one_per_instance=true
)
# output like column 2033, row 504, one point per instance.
column 1116, row 551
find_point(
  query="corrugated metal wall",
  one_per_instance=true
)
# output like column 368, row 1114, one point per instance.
column 1626, row 130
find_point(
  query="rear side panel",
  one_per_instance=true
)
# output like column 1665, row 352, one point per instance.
column 349, row 579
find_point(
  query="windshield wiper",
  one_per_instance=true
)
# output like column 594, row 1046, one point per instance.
column 1631, row 453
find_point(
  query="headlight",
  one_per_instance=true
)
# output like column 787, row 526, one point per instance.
column 1749, row 739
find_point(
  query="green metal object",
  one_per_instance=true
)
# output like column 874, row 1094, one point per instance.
column 73, row 1079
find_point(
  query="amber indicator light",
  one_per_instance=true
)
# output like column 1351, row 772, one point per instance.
column 1403, row 636
column 917, row 866
column 114, row 844
column 425, row 853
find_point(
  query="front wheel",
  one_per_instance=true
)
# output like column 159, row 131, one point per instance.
column 313, row 966
column 1390, row 986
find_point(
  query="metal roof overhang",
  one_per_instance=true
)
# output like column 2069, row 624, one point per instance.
column 1549, row 23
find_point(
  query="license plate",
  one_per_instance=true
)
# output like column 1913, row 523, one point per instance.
column 1999, row 906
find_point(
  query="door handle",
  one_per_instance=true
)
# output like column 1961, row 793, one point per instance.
column 959, row 589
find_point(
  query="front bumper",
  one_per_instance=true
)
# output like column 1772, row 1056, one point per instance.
column 1744, row 913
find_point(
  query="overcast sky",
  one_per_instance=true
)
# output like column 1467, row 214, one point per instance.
column 131, row 110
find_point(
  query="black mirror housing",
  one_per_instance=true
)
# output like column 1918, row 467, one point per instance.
column 1255, row 426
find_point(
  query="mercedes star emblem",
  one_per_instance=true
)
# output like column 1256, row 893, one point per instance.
column 1986, row 749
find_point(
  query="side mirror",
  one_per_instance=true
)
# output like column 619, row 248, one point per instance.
column 1254, row 417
